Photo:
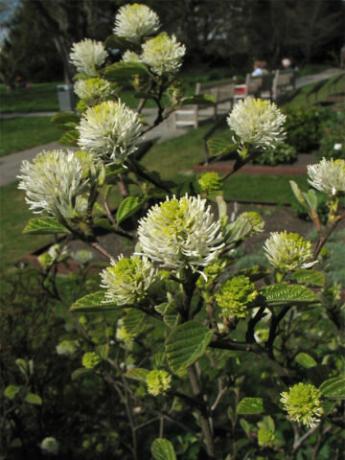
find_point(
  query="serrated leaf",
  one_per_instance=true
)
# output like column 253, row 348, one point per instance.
column 305, row 360
column 283, row 294
column 70, row 138
column 138, row 373
column 133, row 321
column 187, row 343
column 334, row 388
column 220, row 145
column 94, row 302
column 162, row 449
column 128, row 207
column 250, row 406
column 44, row 226
column 309, row 277
column 33, row 398
column 124, row 72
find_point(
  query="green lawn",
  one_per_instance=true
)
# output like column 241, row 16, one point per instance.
column 39, row 97
column 24, row 132
column 14, row 213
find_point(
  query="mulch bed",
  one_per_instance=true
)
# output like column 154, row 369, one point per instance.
column 298, row 168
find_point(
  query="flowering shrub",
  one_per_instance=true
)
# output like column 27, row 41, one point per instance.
column 174, row 327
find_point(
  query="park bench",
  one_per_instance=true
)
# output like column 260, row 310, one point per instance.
column 284, row 81
column 222, row 98
column 270, row 86
column 255, row 86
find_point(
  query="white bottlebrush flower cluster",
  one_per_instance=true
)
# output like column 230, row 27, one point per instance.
column 328, row 176
column 257, row 122
column 288, row 251
column 133, row 22
column 87, row 55
column 93, row 89
column 56, row 182
column 181, row 233
column 128, row 280
column 163, row 54
column 110, row 131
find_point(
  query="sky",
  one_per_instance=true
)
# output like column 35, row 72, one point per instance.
column 8, row 7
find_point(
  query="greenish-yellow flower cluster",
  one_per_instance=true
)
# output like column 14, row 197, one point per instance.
column 90, row 360
column 158, row 382
column 93, row 90
column 302, row 403
column 127, row 281
column 210, row 182
column 234, row 297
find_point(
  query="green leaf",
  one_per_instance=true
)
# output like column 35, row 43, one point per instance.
column 221, row 145
column 78, row 373
column 334, row 388
column 250, row 406
column 138, row 373
column 70, row 138
column 299, row 195
column 44, row 226
column 11, row 391
column 305, row 360
column 311, row 199
column 246, row 427
column 187, row 343
column 92, row 303
column 33, row 398
column 115, row 42
column 309, row 277
column 124, row 72
column 283, row 294
column 133, row 321
column 128, row 207
column 162, row 449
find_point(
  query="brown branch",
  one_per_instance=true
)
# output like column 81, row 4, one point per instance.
column 203, row 420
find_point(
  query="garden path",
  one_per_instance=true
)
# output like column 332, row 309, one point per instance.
column 10, row 164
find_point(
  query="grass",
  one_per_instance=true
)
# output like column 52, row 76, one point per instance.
column 263, row 188
column 39, row 97
column 14, row 214
column 25, row 132
column 175, row 155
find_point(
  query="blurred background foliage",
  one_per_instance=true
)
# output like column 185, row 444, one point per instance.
column 219, row 33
